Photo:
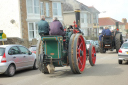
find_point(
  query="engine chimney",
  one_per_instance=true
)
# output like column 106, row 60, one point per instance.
column 77, row 13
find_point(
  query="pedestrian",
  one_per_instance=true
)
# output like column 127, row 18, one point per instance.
column 106, row 32
column 56, row 27
column 43, row 26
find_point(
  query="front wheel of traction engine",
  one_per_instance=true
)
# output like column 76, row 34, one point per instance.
column 92, row 55
column 77, row 53
column 39, row 57
column 117, row 41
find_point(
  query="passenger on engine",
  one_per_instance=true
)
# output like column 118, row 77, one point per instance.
column 105, row 31
column 56, row 27
column 43, row 26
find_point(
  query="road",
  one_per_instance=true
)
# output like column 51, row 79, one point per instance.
column 107, row 71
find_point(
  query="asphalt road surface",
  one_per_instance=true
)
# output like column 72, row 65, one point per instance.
column 107, row 71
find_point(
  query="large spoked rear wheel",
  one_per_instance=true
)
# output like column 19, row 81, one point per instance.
column 77, row 53
column 39, row 57
column 118, row 41
column 92, row 55
column 38, row 52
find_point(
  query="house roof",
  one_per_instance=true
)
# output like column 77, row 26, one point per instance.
column 83, row 7
column 93, row 9
column 70, row 7
column 67, row 7
column 108, row 21
column 126, row 26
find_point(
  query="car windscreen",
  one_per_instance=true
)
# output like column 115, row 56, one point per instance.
column 32, row 48
column 125, row 46
column 87, row 42
column 2, row 50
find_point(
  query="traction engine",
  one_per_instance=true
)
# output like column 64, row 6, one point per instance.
column 70, row 50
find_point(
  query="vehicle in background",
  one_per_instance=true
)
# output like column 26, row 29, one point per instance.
column 125, row 40
column 97, row 42
column 14, row 58
column 111, row 42
column 123, row 53
column 33, row 49
column 91, row 42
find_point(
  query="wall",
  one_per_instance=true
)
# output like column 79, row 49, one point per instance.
column 69, row 18
column 9, row 9
column 19, row 41
column 23, row 11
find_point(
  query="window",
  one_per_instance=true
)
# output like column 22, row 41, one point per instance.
column 32, row 48
column 23, row 50
column 33, row 30
column 14, row 50
column 94, row 18
column 101, row 28
column 97, row 18
column 89, row 18
column 125, row 46
column 47, row 9
column 83, row 18
column 29, row 6
column 57, row 9
column 2, row 50
column 42, row 8
column 32, row 6
column 36, row 6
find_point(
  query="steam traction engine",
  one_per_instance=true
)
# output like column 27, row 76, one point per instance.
column 56, row 51
column 111, row 42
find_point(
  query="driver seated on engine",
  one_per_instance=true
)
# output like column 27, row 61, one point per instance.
column 106, row 32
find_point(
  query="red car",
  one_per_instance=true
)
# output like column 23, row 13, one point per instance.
column 33, row 49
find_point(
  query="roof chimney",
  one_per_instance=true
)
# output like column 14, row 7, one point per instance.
column 124, row 20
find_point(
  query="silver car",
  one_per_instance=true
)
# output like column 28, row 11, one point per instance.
column 123, row 53
column 89, row 42
column 14, row 58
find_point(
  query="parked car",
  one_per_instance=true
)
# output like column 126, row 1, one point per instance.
column 125, row 40
column 97, row 42
column 123, row 53
column 33, row 49
column 14, row 58
column 89, row 42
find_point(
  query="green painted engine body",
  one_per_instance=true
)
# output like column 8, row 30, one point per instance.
column 53, row 48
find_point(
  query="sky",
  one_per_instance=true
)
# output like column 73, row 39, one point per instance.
column 116, row 9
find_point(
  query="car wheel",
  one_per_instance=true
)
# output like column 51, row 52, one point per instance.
column 35, row 65
column 11, row 70
column 120, row 61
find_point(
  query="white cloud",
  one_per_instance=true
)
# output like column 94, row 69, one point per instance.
column 116, row 9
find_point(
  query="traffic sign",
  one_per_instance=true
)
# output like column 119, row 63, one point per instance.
column 3, row 37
